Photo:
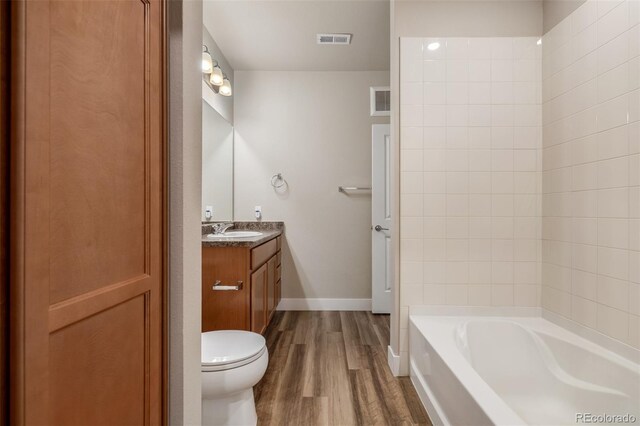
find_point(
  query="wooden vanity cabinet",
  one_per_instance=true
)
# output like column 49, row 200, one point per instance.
column 255, row 272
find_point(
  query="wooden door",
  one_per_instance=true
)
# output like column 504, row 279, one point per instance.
column 88, row 209
column 258, row 299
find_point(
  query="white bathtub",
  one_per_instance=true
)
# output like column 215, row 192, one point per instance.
column 475, row 370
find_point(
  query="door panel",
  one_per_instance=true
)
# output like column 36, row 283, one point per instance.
column 381, row 216
column 111, row 366
column 99, row 82
column 88, row 197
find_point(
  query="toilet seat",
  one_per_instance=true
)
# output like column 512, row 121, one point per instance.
column 228, row 349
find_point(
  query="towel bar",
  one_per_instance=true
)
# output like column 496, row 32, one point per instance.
column 353, row 188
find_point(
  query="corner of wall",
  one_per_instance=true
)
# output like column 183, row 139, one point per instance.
column 591, row 184
column 184, row 20
column 395, row 176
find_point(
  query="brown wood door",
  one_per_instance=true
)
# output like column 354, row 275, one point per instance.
column 88, row 212
column 258, row 299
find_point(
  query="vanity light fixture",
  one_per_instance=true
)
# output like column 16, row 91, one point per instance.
column 217, row 77
column 433, row 46
column 225, row 89
column 207, row 62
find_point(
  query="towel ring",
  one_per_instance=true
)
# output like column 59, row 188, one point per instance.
column 277, row 181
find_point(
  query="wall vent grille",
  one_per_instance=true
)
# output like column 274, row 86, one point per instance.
column 333, row 39
column 380, row 101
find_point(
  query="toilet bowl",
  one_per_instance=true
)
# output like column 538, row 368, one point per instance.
column 233, row 362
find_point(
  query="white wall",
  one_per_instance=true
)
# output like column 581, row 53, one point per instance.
column 470, row 143
column 447, row 19
column 554, row 11
column 500, row 18
column 217, row 164
column 591, row 178
column 315, row 129
column 470, row 136
column 185, row 263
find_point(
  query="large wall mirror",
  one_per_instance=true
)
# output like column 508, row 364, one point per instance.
column 217, row 165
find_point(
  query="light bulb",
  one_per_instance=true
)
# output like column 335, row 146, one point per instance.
column 433, row 46
column 225, row 89
column 216, row 78
column 207, row 64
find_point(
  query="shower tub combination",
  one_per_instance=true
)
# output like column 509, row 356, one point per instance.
column 482, row 369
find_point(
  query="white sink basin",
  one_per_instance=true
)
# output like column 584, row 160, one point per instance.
column 236, row 234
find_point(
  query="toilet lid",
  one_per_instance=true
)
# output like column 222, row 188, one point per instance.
column 225, row 347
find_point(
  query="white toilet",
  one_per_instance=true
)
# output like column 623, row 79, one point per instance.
column 233, row 362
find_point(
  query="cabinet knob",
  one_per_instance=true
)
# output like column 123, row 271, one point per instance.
column 218, row 286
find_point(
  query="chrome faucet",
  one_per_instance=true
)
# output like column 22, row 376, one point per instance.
column 221, row 228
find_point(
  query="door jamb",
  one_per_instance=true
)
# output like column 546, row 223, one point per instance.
column 4, row 209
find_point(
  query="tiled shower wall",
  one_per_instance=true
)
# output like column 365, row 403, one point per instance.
column 470, row 167
column 591, row 200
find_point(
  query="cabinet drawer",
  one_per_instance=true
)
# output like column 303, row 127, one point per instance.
column 262, row 253
column 279, row 258
column 278, row 243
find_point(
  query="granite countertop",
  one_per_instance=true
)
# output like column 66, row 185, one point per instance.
column 270, row 230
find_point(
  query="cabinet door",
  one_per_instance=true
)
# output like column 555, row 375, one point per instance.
column 225, row 309
column 259, row 299
column 278, row 284
column 271, row 286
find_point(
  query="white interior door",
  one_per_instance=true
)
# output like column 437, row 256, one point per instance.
column 381, row 217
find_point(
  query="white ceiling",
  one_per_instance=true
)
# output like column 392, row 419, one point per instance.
column 281, row 35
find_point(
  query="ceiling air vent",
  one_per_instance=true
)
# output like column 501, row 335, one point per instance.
column 333, row 38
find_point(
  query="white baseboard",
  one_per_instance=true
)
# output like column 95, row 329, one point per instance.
column 394, row 361
column 325, row 305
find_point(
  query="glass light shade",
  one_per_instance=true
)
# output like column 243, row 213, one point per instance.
column 225, row 89
column 207, row 63
column 216, row 78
